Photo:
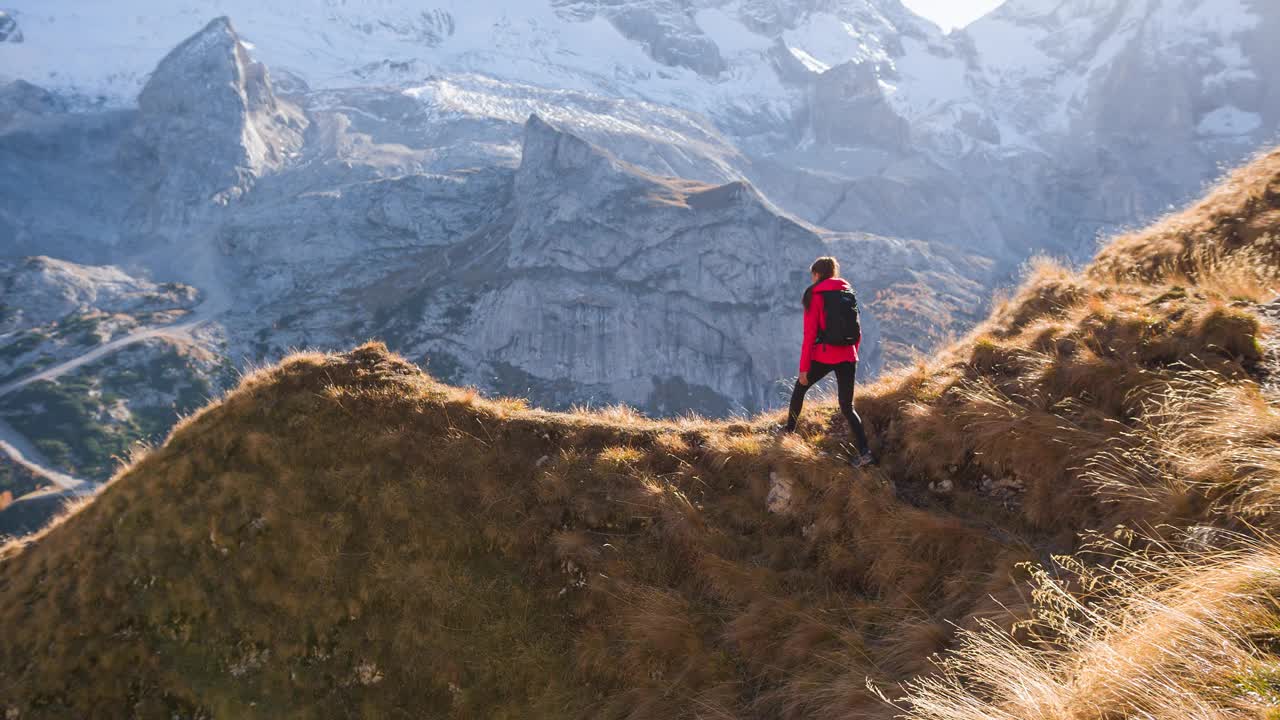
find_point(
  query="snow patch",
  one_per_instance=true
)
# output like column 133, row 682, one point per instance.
column 729, row 34
column 929, row 82
column 1229, row 121
column 1224, row 17
column 1008, row 49
column 832, row 41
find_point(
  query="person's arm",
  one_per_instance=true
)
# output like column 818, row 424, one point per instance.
column 810, row 335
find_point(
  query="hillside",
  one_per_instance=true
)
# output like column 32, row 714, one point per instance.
column 345, row 536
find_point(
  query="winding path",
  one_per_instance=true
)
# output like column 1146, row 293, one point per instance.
column 177, row 331
column 22, row 452
column 17, row 447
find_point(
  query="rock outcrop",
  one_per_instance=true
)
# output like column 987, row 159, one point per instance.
column 9, row 30
column 210, row 121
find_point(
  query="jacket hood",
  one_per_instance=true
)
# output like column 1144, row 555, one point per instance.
column 831, row 284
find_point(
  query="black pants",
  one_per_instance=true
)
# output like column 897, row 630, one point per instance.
column 845, row 375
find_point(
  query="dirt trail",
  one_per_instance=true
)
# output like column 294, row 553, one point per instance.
column 17, row 447
column 177, row 331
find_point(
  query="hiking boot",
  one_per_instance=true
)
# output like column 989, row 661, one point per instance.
column 866, row 459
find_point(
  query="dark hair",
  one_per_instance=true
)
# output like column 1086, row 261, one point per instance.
column 826, row 268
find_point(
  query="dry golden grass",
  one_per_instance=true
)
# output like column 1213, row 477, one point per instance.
column 1162, row 635
column 1242, row 212
column 344, row 537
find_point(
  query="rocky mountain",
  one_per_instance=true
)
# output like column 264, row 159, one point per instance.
column 309, row 223
column 210, row 123
column 1033, row 104
column 1133, row 100
column 591, row 202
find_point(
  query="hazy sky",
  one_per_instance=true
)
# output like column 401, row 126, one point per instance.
column 952, row 13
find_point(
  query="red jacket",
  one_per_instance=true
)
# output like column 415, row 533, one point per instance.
column 814, row 318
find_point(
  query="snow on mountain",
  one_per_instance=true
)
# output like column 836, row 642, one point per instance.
column 96, row 49
column 1056, row 67
column 382, row 178
column 1031, row 68
column 706, row 55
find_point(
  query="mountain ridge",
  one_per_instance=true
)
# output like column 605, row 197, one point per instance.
column 273, row 556
column 375, row 195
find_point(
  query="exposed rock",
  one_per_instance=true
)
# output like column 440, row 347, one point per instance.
column 9, row 30
column 651, row 28
column 211, row 121
column 1009, row 483
column 850, row 109
column 1268, row 370
column 1206, row 539
column 51, row 289
column 368, row 674
column 942, row 487
column 21, row 102
column 779, row 499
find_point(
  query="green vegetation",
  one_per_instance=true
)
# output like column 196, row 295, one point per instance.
column 17, row 480
column 65, row 422
column 68, row 420
column 25, row 342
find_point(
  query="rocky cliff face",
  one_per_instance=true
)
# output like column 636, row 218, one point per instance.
column 658, row 284
column 643, row 238
column 209, row 124
column 575, row 278
column 572, row 268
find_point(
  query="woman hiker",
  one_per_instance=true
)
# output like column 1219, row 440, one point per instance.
column 832, row 335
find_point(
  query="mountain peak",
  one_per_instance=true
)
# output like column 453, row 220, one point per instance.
column 209, row 102
column 210, row 66
column 552, row 152
column 545, row 143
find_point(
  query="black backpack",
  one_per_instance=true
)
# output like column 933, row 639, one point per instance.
column 843, row 326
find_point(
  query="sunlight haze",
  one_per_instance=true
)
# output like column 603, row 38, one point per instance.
column 952, row 14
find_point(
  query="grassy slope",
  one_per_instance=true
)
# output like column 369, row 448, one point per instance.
column 343, row 536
